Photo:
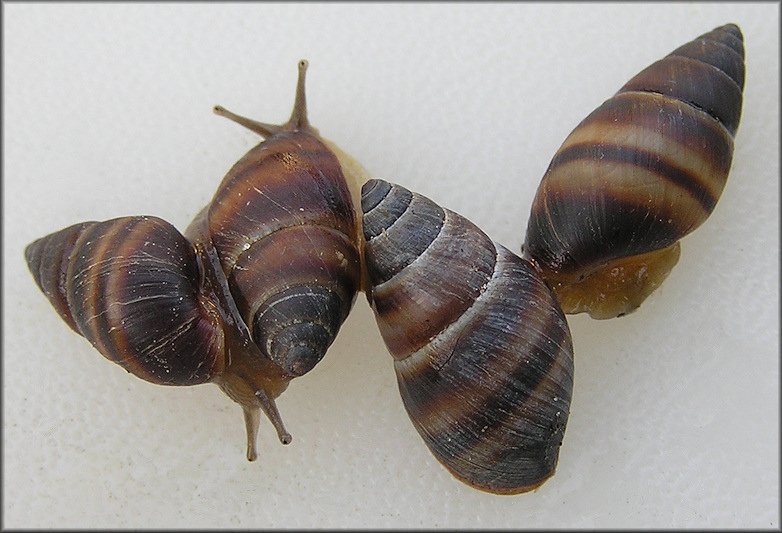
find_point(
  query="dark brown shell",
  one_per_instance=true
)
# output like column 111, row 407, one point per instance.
column 482, row 352
column 284, row 228
column 131, row 286
column 642, row 171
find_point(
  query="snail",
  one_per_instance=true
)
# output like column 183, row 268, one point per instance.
column 643, row 170
column 252, row 294
column 482, row 352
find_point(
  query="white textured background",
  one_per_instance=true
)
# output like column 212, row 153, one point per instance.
column 107, row 112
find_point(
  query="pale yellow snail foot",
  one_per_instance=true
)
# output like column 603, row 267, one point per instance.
column 618, row 288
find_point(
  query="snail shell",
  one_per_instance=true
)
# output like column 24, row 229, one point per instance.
column 249, row 298
column 642, row 171
column 284, row 227
column 131, row 287
column 482, row 352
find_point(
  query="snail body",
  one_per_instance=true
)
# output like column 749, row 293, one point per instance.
column 642, row 171
column 482, row 352
column 252, row 294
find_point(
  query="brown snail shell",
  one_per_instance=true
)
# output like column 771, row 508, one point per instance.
column 285, row 207
column 250, row 298
column 131, row 287
column 482, row 352
column 643, row 170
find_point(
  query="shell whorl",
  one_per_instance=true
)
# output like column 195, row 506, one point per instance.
column 483, row 354
column 639, row 173
column 284, row 227
column 131, row 287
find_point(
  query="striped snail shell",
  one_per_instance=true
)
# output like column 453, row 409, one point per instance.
column 131, row 287
column 284, row 227
column 249, row 298
column 482, row 352
column 642, row 171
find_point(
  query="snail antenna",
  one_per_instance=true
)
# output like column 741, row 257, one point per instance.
column 298, row 118
column 270, row 410
column 252, row 419
column 261, row 128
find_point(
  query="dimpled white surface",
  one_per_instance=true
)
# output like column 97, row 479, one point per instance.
column 107, row 112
